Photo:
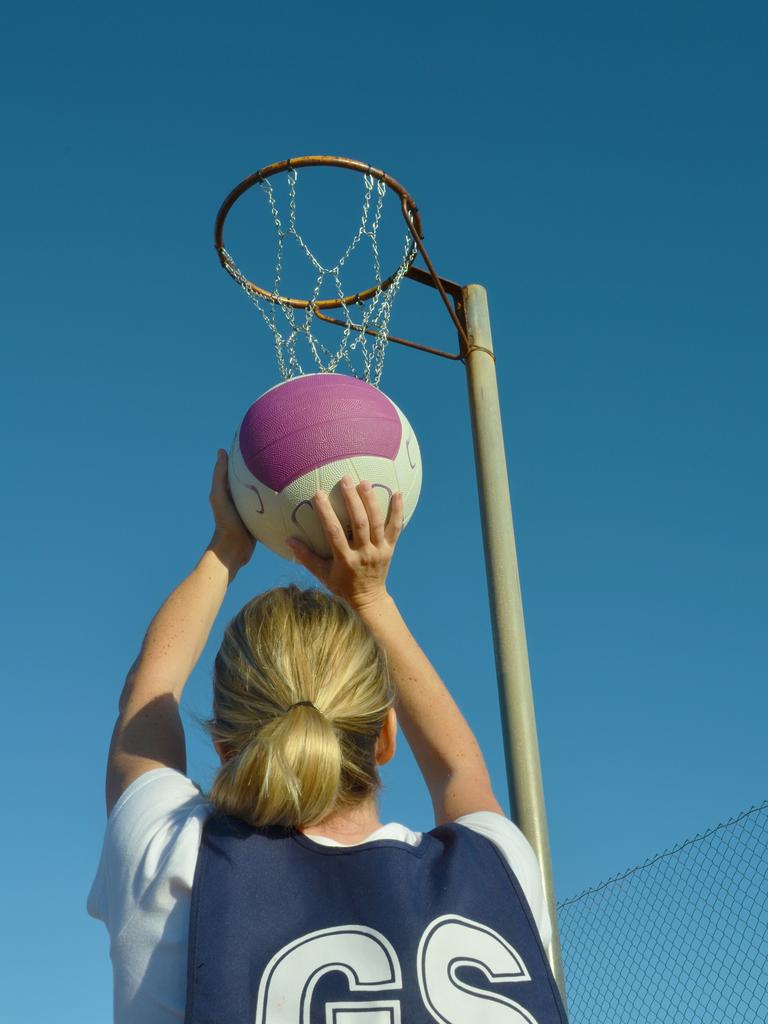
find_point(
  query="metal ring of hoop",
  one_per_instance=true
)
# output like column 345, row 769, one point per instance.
column 408, row 206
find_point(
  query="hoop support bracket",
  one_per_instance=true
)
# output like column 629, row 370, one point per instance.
column 445, row 288
column 456, row 309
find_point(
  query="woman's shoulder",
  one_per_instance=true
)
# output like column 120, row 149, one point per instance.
column 510, row 841
column 519, row 855
column 497, row 828
column 159, row 798
column 152, row 837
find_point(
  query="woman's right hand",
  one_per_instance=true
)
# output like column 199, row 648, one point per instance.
column 357, row 569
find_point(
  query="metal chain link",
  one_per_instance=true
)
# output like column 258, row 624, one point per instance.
column 374, row 313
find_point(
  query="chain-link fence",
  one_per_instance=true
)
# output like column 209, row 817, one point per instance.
column 680, row 939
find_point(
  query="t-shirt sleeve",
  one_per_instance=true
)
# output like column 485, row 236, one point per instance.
column 518, row 853
column 150, row 847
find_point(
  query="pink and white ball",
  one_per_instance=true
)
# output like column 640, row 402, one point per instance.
column 306, row 434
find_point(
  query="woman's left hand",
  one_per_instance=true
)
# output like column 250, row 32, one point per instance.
column 231, row 539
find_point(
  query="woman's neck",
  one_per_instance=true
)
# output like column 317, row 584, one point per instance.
column 348, row 826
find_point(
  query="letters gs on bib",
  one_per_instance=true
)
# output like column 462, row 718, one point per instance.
column 372, row 968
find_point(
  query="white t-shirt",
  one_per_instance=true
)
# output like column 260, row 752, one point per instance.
column 143, row 887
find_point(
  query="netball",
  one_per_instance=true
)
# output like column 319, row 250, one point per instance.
column 304, row 435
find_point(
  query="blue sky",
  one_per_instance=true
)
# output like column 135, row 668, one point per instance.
column 601, row 169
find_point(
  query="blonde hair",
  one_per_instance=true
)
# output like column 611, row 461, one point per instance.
column 301, row 691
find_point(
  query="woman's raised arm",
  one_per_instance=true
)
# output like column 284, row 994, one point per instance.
column 148, row 732
column 442, row 742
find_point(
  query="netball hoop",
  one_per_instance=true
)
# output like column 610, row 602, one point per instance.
column 373, row 304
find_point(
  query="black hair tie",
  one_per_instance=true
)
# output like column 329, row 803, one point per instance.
column 302, row 704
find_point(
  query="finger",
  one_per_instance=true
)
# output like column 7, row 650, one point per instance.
column 221, row 495
column 394, row 518
column 219, row 470
column 375, row 518
column 305, row 556
column 357, row 512
column 329, row 521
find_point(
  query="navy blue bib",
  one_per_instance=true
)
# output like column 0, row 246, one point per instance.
column 284, row 930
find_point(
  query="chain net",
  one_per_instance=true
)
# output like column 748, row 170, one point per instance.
column 294, row 324
column 680, row 939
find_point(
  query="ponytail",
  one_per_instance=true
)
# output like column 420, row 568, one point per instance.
column 289, row 771
column 301, row 690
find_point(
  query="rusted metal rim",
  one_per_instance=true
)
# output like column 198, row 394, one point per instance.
column 407, row 205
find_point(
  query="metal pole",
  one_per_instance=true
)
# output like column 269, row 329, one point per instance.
column 510, row 648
